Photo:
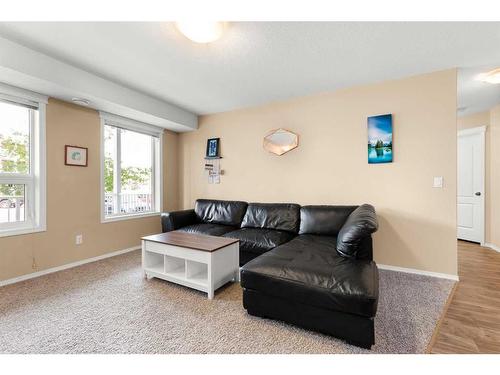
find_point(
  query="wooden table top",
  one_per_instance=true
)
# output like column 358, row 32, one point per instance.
column 200, row 242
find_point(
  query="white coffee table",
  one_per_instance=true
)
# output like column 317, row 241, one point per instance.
column 197, row 261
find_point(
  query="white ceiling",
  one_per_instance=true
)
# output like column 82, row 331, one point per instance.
column 258, row 62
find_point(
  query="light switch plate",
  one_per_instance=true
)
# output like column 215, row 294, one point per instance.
column 79, row 239
column 438, row 182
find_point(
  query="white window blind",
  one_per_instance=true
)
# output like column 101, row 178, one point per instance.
column 129, row 124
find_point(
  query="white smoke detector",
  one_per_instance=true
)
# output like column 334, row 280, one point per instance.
column 81, row 101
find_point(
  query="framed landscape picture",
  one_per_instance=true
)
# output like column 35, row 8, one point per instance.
column 380, row 139
column 75, row 155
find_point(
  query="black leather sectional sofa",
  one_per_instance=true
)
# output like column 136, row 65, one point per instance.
column 311, row 266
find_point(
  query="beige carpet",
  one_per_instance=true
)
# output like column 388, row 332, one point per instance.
column 108, row 307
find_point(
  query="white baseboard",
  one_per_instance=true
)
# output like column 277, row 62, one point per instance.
column 418, row 272
column 491, row 246
column 119, row 252
column 66, row 266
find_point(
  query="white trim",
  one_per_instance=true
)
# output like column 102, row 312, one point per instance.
column 101, row 168
column 16, row 231
column 159, row 175
column 127, row 123
column 111, row 219
column 24, row 95
column 40, row 170
column 477, row 130
column 491, row 246
column 482, row 132
column 66, row 266
column 418, row 272
column 117, row 168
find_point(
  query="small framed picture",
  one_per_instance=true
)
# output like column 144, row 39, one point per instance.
column 74, row 155
column 213, row 148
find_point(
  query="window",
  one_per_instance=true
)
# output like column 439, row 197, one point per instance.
column 131, row 168
column 22, row 161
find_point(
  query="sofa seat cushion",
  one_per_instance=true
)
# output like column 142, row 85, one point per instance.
column 309, row 270
column 259, row 241
column 208, row 228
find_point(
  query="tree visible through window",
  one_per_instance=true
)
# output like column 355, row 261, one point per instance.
column 14, row 156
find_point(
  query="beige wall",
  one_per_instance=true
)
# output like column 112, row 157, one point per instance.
column 73, row 200
column 474, row 120
column 417, row 222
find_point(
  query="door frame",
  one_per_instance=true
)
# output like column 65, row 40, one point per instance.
column 480, row 130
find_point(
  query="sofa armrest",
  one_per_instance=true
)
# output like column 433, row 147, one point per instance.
column 177, row 219
column 361, row 223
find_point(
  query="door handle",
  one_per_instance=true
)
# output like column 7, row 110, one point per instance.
column 478, row 193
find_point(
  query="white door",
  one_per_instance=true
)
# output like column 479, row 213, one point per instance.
column 470, row 187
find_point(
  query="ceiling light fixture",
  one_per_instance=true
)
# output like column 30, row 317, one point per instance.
column 490, row 77
column 201, row 31
column 80, row 101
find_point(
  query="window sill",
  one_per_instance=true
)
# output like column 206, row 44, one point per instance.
column 112, row 219
column 21, row 230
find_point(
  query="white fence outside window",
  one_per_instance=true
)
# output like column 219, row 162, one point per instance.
column 11, row 209
column 126, row 203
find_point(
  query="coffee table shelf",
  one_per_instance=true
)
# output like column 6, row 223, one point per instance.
column 180, row 272
column 168, row 257
column 156, row 268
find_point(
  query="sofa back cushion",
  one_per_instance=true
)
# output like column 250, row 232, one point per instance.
column 220, row 212
column 324, row 220
column 279, row 216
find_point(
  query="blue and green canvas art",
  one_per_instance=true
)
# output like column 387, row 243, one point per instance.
column 380, row 139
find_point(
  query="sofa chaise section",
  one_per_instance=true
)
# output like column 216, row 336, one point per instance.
column 310, row 283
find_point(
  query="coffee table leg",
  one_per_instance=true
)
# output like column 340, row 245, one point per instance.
column 211, row 276
column 143, row 256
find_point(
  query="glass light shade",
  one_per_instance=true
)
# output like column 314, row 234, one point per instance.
column 280, row 141
column 490, row 77
column 201, row 31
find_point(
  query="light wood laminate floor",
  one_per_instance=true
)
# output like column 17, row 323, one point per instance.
column 471, row 323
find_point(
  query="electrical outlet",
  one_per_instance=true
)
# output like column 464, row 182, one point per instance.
column 79, row 239
column 438, row 182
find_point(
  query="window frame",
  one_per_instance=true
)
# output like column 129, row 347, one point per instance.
column 108, row 119
column 35, row 180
